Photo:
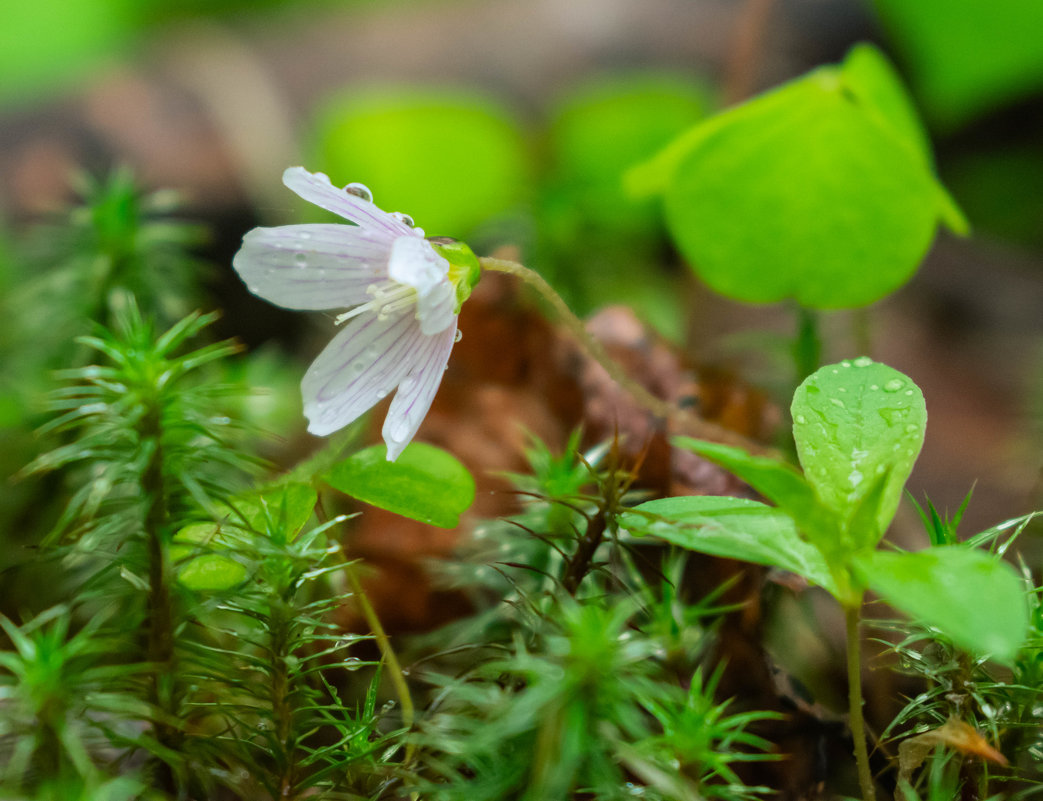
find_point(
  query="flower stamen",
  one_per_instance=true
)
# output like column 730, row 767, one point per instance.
column 389, row 297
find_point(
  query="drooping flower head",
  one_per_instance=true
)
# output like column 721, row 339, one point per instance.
column 403, row 293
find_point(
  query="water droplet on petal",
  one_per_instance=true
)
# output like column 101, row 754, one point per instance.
column 458, row 336
column 359, row 190
column 301, row 260
column 403, row 218
column 304, row 235
column 894, row 385
column 382, row 393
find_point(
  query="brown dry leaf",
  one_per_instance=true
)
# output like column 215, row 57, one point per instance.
column 955, row 734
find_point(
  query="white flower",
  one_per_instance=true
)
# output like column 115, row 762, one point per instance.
column 405, row 292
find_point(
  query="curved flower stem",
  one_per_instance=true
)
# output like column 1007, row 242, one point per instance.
column 852, row 618
column 687, row 422
column 398, row 678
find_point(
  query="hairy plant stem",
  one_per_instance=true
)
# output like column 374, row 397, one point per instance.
column 398, row 678
column 579, row 564
column 852, row 620
column 686, row 422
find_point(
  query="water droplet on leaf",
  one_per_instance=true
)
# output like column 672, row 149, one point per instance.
column 894, row 385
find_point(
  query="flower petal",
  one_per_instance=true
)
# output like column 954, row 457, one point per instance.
column 437, row 309
column 312, row 266
column 363, row 363
column 315, row 187
column 417, row 390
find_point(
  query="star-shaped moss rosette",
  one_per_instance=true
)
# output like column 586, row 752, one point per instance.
column 403, row 293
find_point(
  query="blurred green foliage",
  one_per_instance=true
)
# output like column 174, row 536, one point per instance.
column 450, row 159
column 967, row 57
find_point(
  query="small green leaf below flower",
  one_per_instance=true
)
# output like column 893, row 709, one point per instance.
column 425, row 483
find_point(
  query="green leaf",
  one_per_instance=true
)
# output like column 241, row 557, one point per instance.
column 855, row 423
column 735, row 528
column 968, row 57
column 450, row 159
column 779, row 483
column 204, row 572
column 972, row 597
column 211, row 572
column 425, row 483
column 818, row 191
column 873, row 79
column 281, row 511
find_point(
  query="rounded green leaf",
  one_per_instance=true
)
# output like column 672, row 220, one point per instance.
column 973, row 597
column 425, row 483
column 821, row 190
column 204, row 572
column 859, row 426
column 448, row 159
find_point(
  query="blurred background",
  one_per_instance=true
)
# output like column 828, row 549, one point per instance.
column 510, row 124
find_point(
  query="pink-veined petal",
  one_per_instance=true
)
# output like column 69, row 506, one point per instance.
column 437, row 309
column 363, row 363
column 315, row 187
column 417, row 390
column 326, row 266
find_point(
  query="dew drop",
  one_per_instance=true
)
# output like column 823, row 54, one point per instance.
column 458, row 336
column 912, row 427
column 845, row 363
column 837, row 402
column 909, row 392
column 801, row 419
column 874, row 387
column 304, row 235
column 863, row 361
column 382, row 393
column 301, row 260
column 403, row 218
column 836, row 372
column 894, row 385
column 359, row 190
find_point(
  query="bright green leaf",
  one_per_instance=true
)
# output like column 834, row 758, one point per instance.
column 450, row 159
column 971, row 596
column 819, row 191
column 425, row 483
column 735, row 528
column 211, row 572
column 779, row 483
column 855, row 423
column 205, row 571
